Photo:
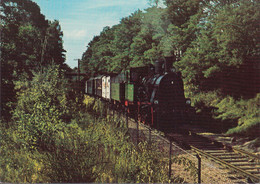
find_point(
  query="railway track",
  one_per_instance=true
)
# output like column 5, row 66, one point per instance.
column 238, row 161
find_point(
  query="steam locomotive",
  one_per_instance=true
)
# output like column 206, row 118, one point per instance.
column 154, row 94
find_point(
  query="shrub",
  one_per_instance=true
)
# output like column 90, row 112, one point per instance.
column 17, row 164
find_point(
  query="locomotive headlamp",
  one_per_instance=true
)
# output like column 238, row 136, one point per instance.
column 156, row 102
column 188, row 101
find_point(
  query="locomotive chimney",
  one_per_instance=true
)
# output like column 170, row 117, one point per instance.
column 168, row 63
column 158, row 66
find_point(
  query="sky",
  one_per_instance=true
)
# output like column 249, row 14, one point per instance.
column 81, row 20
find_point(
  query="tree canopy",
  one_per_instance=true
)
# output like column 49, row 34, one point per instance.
column 28, row 42
column 216, row 44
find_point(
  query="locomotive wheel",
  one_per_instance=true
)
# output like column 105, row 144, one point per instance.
column 144, row 115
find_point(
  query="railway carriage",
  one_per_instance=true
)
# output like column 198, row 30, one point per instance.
column 118, row 88
column 133, row 77
column 106, row 87
column 89, row 87
column 98, row 86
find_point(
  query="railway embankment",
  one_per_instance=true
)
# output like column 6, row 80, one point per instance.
column 210, row 172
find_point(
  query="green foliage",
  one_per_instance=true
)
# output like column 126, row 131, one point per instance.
column 28, row 42
column 246, row 111
column 102, row 152
column 72, row 155
column 224, row 50
column 16, row 163
column 43, row 106
column 123, row 161
column 219, row 67
column 40, row 131
column 180, row 11
column 95, row 106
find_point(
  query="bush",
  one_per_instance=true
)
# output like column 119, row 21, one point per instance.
column 43, row 146
column 125, row 162
column 73, row 155
column 17, row 164
column 44, row 106
column 244, row 112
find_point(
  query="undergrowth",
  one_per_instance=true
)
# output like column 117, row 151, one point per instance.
column 245, row 113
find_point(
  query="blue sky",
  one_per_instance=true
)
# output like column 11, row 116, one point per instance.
column 81, row 20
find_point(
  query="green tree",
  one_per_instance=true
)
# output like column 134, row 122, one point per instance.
column 145, row 47
column 44, row 105
column 52, row 45
column 100, row 49
column 25, row 46
column 124, row 35
column 220, row 66
column 225, row 53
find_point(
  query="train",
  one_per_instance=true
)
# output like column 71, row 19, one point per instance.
column 153, row 94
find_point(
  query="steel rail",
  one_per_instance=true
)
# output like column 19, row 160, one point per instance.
column 241, row 171
column 246, row 153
